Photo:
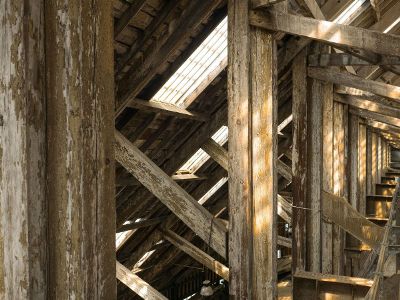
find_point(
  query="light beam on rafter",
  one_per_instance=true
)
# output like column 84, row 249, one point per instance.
column 346, row 16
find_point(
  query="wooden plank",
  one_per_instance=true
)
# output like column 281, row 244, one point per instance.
column 217, row 152
column 369, row 105
column 325, row 31
column 166, row 109
column 23, row 207
column 299, row 161
column 375, row 116
column 127, row 16
column 252, row 152
column 337, row 77
column 345, row 59
column 353, row 161
column 197, row 254
column 327, row 172
column 334, row 278
column 339, row 178
column 136, row 284
column 184, row 177
column 195, row 216
column 314, row 159
column 362, row 168
column 80, row 151
column 338, row 210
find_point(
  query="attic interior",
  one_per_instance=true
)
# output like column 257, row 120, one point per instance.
column 177, row 149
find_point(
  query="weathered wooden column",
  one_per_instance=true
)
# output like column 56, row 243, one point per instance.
column 252, row 156
column 362, row 168
column 299, row 162
column 327, row 173
column 370, row 183
column 340, row 141
column 22, row 151
column 353, row 160
column 314, row 135
column 80, row 131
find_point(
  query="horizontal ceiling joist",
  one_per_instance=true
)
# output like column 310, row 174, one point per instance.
column 183, row 205
column 375, row 116
column 350, row 80
column 369, row 105
column 345, row 59
column 325, row 31
column 166, row 109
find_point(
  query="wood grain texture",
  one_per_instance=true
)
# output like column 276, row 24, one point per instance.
column 354, row 81
column 80, row 160
column 299, row 161
column 252, row 156
column 170, row 193
column 23, row 216
column 325, row 31
column 136, row 284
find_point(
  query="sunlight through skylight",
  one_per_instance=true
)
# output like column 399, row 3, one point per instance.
column 200, row 157
column 346, row 16
column 196, row 68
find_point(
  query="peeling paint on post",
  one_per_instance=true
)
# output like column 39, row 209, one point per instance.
column 79, row 60
column 22, row 151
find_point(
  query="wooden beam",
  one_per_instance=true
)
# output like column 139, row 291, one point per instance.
column 166, row 109
column 375, row 116
column 337, row 77
column 255, row 4
column 217, row 152
column 136, row 284
column 344, row 59
column 362, row 168
column 192, row 16
column 299, row 162
column 170, row 193
column 197, row 254
column 188, row 177
column 338, row 210
column 369, row 105
column 325, row 31
column 141, row 224
column 127, row 16
column 252, row 115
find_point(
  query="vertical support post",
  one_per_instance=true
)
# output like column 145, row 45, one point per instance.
column 370, row 184
column 374, row 160
column 362, row 168
column 340, row 180
column 314, row 136
column 252, row 156
column 353, row 160
column 22, row 152
column 299, row 161
column 79, row 62
column 379, row 158
column 327, row 172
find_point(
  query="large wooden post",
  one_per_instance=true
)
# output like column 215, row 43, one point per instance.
column 299, row 161
column 252, row 156
column 353, row 160
column 80, row 98
column 362, row 168
column 327, row 173
column 22, row 151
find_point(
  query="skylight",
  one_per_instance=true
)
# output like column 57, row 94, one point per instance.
column 200, row 157
column 346, row 16
column 206, row 58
